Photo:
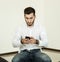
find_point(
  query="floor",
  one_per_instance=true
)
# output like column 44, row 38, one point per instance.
column 55, row 56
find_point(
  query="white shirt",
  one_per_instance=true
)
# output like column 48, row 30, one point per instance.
column 36, row 31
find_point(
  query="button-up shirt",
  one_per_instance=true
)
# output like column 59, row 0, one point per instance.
column 36, row 31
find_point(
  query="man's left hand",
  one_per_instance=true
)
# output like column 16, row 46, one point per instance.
column 32, row 40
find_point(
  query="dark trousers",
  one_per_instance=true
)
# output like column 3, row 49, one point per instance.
column 31, row 56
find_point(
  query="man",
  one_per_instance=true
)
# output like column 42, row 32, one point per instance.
column 28, row 38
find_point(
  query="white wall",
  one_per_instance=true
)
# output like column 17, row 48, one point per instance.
column 11, row 16
column 52, row 22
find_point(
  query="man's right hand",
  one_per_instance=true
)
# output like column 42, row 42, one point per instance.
column 25, row 41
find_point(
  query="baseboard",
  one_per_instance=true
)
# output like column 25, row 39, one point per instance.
column 44, row 48
column 14, row 52
column 51, row 49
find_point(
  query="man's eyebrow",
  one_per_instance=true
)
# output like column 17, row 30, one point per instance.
column 29, row 18
column 26, row 17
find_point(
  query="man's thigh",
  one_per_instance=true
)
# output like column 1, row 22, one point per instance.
column 42, row 57
column 23, row 56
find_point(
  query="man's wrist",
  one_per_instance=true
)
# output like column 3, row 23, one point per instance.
column 37, row 41
column 21, row 41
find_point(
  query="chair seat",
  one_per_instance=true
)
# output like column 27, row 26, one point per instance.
column 3, row 60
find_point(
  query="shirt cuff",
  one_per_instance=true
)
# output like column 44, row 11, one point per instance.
column 43, row 43
column 17, row 43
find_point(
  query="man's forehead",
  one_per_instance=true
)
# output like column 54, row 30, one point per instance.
column 29, row 15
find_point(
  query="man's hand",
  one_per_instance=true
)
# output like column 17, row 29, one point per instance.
column 25, row 41
column 32, row 40
column 29, row 41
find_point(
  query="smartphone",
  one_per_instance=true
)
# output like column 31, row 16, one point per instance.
column 27, row 37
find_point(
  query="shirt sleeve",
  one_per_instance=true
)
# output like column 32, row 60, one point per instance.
column 43, row 37
column 17, row 38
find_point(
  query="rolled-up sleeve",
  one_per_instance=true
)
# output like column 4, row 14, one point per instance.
column 16, row 42
column 43, row 37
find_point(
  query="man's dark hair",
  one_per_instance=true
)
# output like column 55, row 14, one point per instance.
column 29, row 10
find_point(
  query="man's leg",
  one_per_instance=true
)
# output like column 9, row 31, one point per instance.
column 23, row 56
column 42, row 57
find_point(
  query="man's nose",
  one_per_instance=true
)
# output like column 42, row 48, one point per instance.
column 29, row 20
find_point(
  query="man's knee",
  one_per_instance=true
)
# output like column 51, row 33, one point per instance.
column 45, row 58
column 42, row 57
column 15, row 59
column 20, row 57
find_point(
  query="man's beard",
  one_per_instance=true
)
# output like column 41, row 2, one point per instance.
column 30, row 24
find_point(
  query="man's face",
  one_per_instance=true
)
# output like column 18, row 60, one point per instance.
column 29, row 18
